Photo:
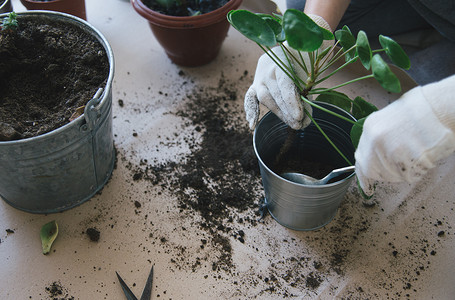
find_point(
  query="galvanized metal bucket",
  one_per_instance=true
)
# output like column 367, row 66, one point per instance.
column 63, row 168
column 298, row 206
column 6, row 6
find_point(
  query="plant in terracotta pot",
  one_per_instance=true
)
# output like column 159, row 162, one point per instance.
column 72, row 7
column 295, row 43
column 56, row 141
column 5, row 6
column 190, row 31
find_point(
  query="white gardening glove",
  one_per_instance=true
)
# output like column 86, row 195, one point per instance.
column 276, row 91
column 405, row 139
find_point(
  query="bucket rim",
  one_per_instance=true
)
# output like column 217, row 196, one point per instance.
column 89, row 28
column 328, row 185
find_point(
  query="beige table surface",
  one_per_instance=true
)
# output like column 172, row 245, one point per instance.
column 400, row 248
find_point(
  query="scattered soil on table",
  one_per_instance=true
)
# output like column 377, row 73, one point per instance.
column 218, row 186
column 221, row 175
column 218, row 190
column 57, row 292
column 93, row 234
column 47, row 70
column 186, row 8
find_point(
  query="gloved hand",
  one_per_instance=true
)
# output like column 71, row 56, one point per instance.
column 275, row 90
column 405, row 139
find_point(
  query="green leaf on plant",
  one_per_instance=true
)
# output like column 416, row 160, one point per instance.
column 356, row 132
column 347, row 42
column 10, row 22
column 166, row 3
column 382, row 73
column 302, row 33
column 395, row 52
column 362, row 108
column 364, row 49
column 336, row 98
column 276, row 27
column 48, row 234
column 326, row 34
column 253, row 27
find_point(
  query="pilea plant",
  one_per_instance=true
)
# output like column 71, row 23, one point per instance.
column 10, row 22
column 298, row 31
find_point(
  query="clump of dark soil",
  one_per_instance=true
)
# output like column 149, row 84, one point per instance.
column 47, row 70
column 57, row 292
column 93, row 234
column 185, row 7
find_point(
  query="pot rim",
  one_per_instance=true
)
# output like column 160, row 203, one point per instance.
column 183, row 22
column 41, row 2
column 4, row 4
column 110, row 56
column 328, row 185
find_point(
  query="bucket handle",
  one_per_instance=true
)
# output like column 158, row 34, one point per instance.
column 91, row 113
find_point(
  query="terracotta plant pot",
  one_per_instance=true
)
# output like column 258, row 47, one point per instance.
column 6, row 6
column 72, row 7
column 189, row 41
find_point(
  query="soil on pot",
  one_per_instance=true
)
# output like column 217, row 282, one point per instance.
column 187, row 7
column 47, row 70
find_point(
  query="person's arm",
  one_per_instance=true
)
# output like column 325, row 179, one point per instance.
column 330, row 10
column 402, row 141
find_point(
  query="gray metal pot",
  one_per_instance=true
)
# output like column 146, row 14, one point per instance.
column 63, row 168
column 299, row 206
column 6, row 7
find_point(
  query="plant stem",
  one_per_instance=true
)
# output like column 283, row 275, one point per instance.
column 300, row 61
column 327, row 138
column 287, row 70
column 330, row 53
column 276, row 60
column 328, row 111
column 337, row 56
column 322, row 90
column 284, row 149
column 334, row 72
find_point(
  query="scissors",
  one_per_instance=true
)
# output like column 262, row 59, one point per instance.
column 146, row 293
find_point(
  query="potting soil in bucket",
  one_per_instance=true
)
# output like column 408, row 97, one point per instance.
column 298, row 206
column 65, row 167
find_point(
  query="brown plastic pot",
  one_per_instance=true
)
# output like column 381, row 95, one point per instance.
column 6, row 6
column 72, row 7
column 189, row 41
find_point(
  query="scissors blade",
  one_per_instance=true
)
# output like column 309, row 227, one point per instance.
column 128, row 293
column 147, row 292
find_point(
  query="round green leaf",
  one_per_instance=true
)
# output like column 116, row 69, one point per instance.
column 276, row 27
column 48, row 234
column 326, row 34
column 302, row 33
column 382, row 73
column 362, row 108
column 364, row 49
column 336, row 98
column 356, row 132
column 395, row 52
column 253, row 27
column 347, row 41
